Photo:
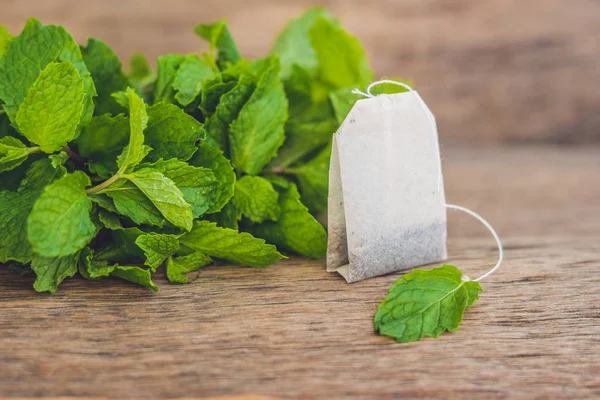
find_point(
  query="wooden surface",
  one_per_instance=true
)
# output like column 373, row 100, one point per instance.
column 501, row 70
column 294, row 331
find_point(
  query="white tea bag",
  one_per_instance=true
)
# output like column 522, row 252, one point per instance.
column 386, row 199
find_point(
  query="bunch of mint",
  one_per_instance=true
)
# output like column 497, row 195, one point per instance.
column 212, row 158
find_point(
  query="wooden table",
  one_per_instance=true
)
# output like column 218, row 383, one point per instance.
column 295, row 331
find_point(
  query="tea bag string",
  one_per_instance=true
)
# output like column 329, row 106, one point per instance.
column 472, row 213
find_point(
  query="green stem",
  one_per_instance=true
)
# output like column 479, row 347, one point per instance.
column 101, row 186
column 32, row 150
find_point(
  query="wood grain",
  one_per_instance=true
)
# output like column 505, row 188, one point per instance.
column 294, row 331
column 502, row 70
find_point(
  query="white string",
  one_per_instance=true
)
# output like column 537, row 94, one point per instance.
column 452, row 206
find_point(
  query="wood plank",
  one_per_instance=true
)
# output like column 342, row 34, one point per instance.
column 295, row 331
column 503, row 70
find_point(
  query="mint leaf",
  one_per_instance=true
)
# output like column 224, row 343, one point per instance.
column 107, row 73
column 190, row 78
column 212, row 158
column 157, row 248
column 219, row 37
column 213, row 90
column 167, row 70
column 256, row 199
column 59, row 223
column 16, row 206
column 425, row 303
column 135, row 151
column 110, row 220
column 198, row 185
column 171, row 133
column 140, row 73
column 5, row 37
column 313, row 180
column 230, row 245
column 342, row 62
column 12, row 153
column 177, row 267
column 258, row 131
column 50, row 272
column 51, row 111
column 296, row 229
column 164, row 195
column 130, row 201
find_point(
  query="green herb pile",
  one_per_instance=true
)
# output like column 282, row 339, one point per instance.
column 210, row 158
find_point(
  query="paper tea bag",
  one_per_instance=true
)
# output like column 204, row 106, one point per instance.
column 386, row 198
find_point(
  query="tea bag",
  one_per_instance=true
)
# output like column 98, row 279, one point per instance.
column 386, row 199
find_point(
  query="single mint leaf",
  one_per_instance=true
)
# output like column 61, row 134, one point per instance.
column 50, row 272
column 425, row 303
column 167, row 71
column 16, row 206
column 256, row 199
column 91, row 268
column 101, row 141
column 135, row 151
column 59, row 223
column 157, row 248
column 107, row 73
column 51, row 111
column 313, row 180
column 258, row 131
column 5, row 37
column 296, row 230
column 230, row 245
column 219, row 37
column 190, row 78
column 198, row 185
column 342, row 62
column 164, row 195
column 177, row 267
column 28, row 54
column 138, row 275
column 110, row 220
column 213, row 159
column 212, row 91
column 171, row 133
column 293, row 45
column 217, row 126
column 12, row 153
column 128, row 200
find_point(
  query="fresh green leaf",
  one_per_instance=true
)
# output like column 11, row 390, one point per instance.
column 190, row 78
column 59, row 223
column 213, row 159
column 50, row 272
column 313, row 180
column 258, row 131
column 213, row 90
column 256, row 199
column 128, row 200
column 141, row 74
column 107, row 73
column 171, row 133
column 177, row 267
column 219, row 37
column 230, row 245
column 135, row 151
column 12, row 153
column 167, row 71
column 5, row 37
column 110, row 220
column 425, row 303
column 157, row 248
column 51, row 111
column 296, row 230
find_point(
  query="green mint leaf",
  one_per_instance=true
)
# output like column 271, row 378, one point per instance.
column 101, row 141
column 198, row 185
column 16, row 206
column 5, row 37
column 140, row 72
column 256, row 199
column 425, row 303
column 296, row 230
column 230, row 245
column 51, row 111
column 28, row 54
column 128, row 200
column 190, row 78
column 12, row 153
column 107, row 73
column 50, row 272
column 219, row 37
column 164, row 195
column 313, row 180
column 213, row 159
column 138, row 275
column 167, row 71
column 157, row 248
column 135, row 151
column 177, row 267
column 293, row 45
column 59, row 223
column 212, row 91
column 342, row 62
column 110, row 220
column 171, row 133
column 258, row 131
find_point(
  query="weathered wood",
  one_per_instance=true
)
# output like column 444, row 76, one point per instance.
column 498, row 70
column 295, row 331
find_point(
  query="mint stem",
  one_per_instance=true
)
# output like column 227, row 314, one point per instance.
column 101, row 186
